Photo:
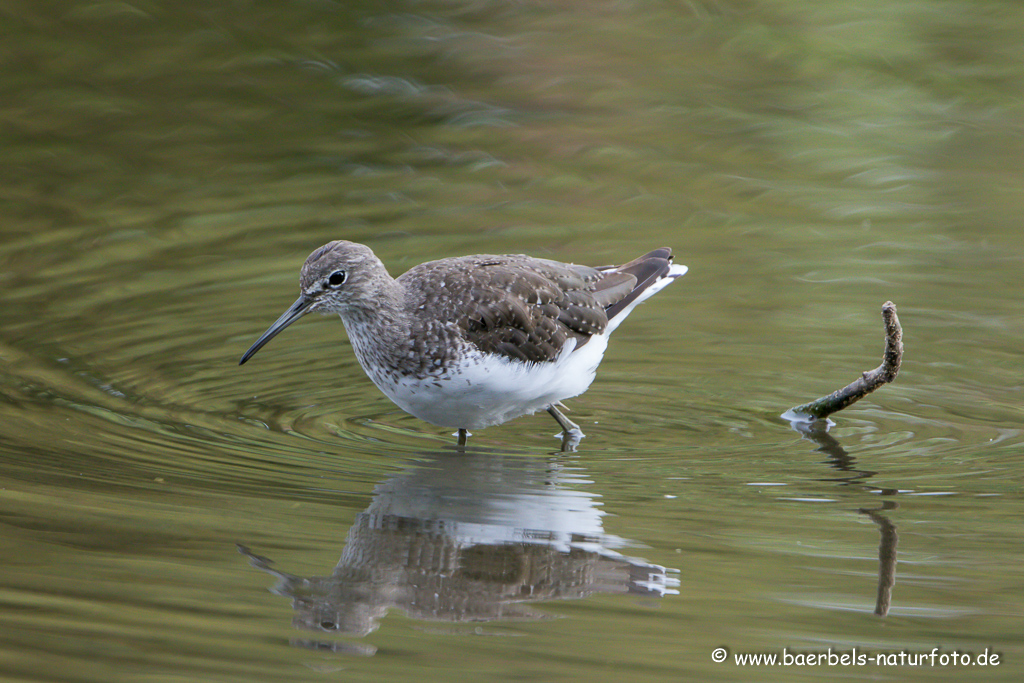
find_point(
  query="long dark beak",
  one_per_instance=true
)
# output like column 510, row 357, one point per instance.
column 295, row 311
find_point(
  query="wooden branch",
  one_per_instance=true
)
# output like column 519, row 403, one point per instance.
column 863, row 385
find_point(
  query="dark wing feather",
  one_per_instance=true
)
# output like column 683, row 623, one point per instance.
column 525, row 308
column 647, row 270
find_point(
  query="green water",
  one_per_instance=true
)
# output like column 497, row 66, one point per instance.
column 167, row 168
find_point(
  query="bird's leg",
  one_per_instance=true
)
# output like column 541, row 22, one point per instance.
column 463, row 437
column 565, row 423
column 571, row 432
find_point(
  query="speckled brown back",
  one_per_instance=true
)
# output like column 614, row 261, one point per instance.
column 525, row 308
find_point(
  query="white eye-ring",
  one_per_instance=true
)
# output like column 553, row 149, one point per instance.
column 336, row 279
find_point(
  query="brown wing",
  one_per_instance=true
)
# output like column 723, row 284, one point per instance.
column 516, row 306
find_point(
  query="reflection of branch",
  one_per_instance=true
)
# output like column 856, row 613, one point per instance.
column 838, row 457
column 817, row 431
column 886, row 560
column 867, row 382
column 841, row 460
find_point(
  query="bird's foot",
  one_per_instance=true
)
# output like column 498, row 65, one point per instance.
column 571, row 432
column 570, row 440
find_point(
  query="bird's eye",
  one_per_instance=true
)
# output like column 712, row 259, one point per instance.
column 337, row 278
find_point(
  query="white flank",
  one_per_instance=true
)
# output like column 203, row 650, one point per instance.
column 486, row 389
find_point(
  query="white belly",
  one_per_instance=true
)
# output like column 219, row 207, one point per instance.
column 487, row 390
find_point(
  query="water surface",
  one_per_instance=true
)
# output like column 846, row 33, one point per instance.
column 167, row 169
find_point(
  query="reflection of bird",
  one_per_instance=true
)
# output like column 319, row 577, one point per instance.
column 474, row 341
column 468, row 537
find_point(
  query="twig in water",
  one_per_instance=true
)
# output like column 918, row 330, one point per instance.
column 863, row 385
